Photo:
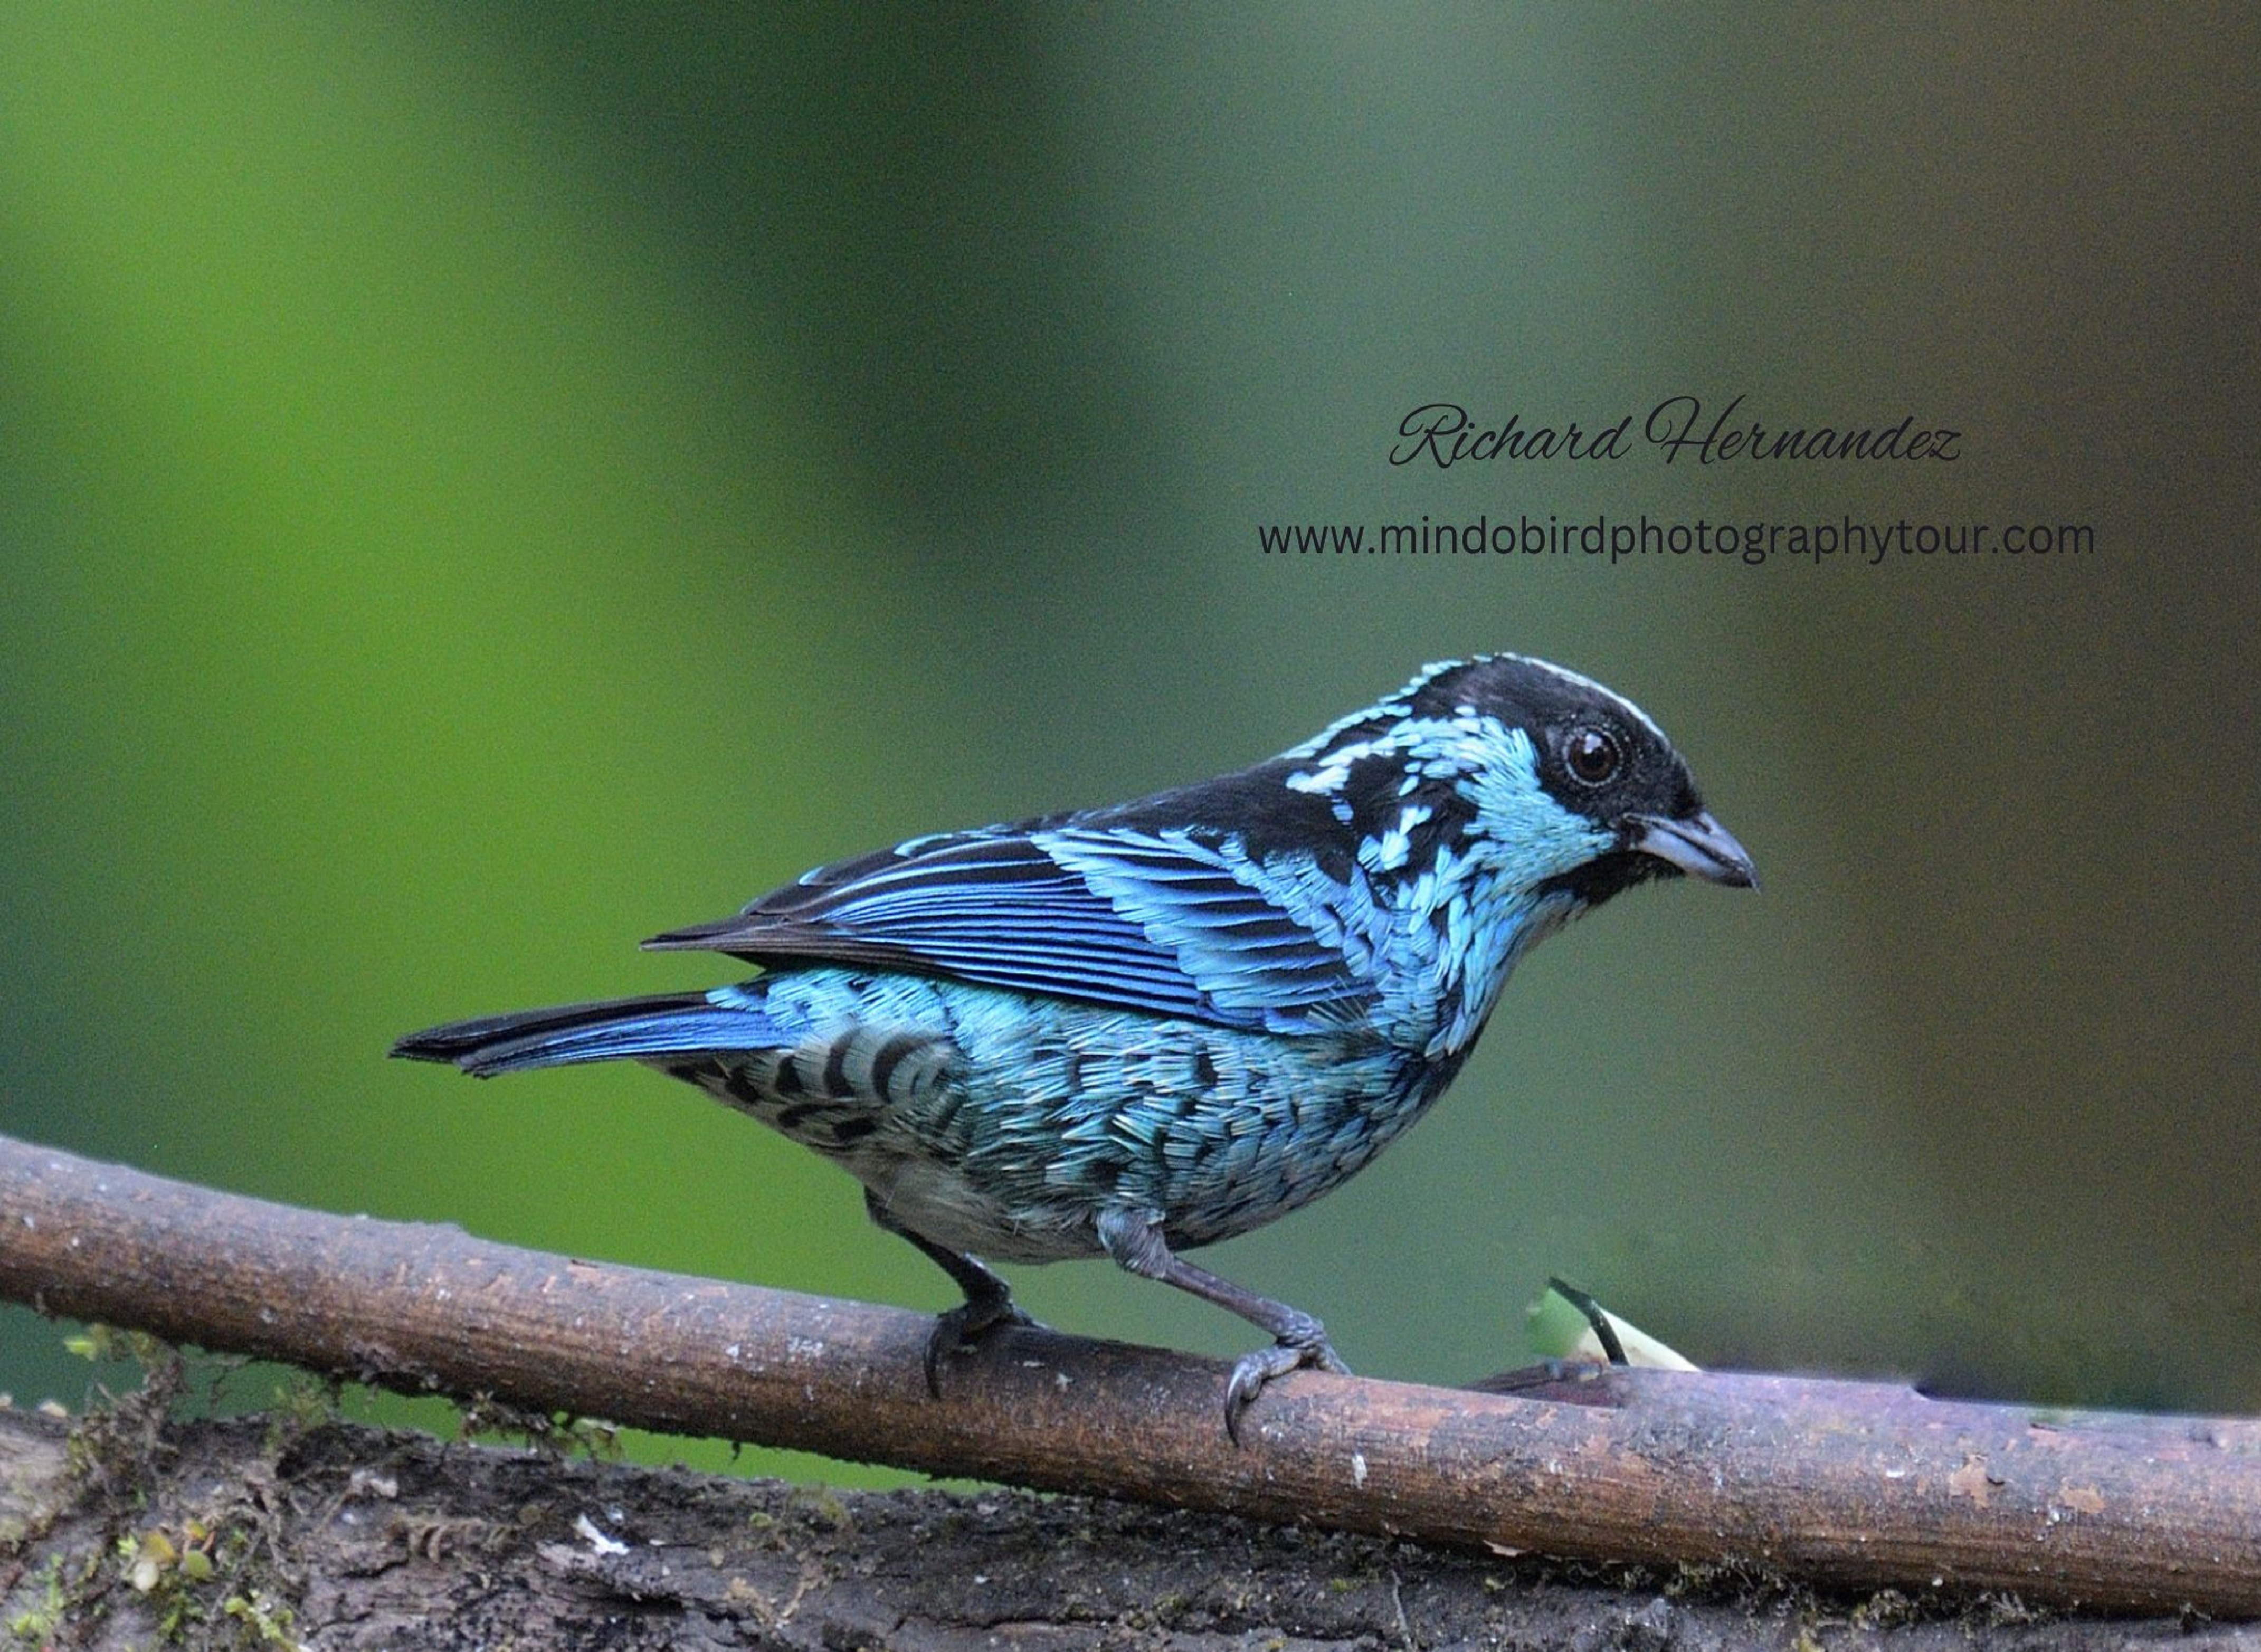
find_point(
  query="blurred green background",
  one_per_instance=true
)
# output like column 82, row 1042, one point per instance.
column 481, row 483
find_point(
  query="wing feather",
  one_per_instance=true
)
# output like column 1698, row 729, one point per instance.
column 1174, row 922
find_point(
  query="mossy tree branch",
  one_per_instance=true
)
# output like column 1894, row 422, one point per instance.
column 1856, row 1485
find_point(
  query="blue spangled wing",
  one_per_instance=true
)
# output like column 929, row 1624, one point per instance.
column 1171, row 923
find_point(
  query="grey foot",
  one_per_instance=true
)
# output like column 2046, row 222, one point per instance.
column 965, row 1325
column 1134, row 1238
column 1303, row 1345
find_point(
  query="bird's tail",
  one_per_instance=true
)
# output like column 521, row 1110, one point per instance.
column 631, row 1028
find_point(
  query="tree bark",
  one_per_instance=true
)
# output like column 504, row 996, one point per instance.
column 1840, row 1484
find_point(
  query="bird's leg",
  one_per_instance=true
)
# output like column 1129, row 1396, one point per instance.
column 1299, row 1340
column 988, row 1299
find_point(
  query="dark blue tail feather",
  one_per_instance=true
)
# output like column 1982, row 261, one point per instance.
column 622, row 1029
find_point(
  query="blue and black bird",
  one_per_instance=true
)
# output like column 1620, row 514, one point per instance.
column 1135, row 1031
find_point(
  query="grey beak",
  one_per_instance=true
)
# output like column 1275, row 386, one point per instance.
column 1701, row 847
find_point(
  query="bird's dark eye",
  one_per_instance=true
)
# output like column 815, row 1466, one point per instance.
column 1594, row 756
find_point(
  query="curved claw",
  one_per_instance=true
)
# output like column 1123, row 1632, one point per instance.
column 1256, row 1369
column 962, row 1326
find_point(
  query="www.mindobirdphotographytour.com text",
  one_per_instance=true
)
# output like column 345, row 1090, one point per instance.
column 1854, row 540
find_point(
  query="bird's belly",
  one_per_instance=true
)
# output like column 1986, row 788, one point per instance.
column 972, row 1212
column 1029, row 1118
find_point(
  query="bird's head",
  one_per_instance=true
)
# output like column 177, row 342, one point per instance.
column 1587, row 792
column 1553, row 783
column 1486, row 804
